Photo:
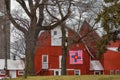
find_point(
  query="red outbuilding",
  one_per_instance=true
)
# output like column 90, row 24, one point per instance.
column 111, row 58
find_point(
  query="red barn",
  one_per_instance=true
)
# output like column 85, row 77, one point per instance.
column 111, row 58
column 49, row 54
column 90, row 39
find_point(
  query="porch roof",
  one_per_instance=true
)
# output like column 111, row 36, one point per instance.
column 96, row 65
column 12, row 64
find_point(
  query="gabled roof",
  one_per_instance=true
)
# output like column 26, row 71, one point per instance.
column 90, row 37
column 12, row 64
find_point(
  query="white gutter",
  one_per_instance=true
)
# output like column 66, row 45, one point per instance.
column 113, row 49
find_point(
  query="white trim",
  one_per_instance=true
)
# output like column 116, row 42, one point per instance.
column 19, row 72
column 60, row 58
column 113, row 49
column 45, row 56
column 95, row 72
column 111, row 72
column 13, row 73
column 57, row 70
column 2, row 72
column 117, row 72
column 76, row 70
column 70, row 69
column 60, row 69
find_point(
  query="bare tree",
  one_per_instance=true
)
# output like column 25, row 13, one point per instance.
column 17, row 49
column 44, row 15
column 81, row 10
column 36, row 12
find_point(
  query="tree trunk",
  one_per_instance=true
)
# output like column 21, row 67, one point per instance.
column 64, row 51
column 29, row 52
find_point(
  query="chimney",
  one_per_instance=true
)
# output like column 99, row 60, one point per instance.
column 14, row 57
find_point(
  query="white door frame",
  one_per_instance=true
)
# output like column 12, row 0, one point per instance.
column 13, row 74
column 60, row 58
column 59, row 72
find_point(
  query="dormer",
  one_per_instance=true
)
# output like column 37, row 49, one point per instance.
column 56, row 36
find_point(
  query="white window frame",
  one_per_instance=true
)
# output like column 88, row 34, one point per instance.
column 59, row 72
column 44, row 64
column 20, row 73
column 97, row 72
column 60, row 58
column 76, row 70
column 111, row 72
column 117, row 72
column 2, row 72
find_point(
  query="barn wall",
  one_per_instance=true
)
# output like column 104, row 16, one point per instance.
column 111, row 59
column 44, row 48
column 53, row 59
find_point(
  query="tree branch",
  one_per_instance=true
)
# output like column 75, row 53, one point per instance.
column 23, row 5
column 12, row 19
column 49, row 27
column 51, row 14
column 59, row 8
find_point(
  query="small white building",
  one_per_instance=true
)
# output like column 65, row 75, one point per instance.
column 15, row 68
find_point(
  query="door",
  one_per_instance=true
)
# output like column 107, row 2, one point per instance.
column 97, row 72
column 57, row 72
column 13, row 74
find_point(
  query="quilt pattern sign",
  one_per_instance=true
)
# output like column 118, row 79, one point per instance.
column 76, row 57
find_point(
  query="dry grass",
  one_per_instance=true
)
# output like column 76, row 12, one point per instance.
column 82, row 77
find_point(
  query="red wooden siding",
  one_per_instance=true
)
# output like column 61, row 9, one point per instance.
column 111, row 59
column 53, row 52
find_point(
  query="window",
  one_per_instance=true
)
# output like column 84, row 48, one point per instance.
column 57, row 72
column 44, row 58
column 2, row 72
column 44, row 61
column 111, row 72
column 55, row 32
column 97, row 72
column 76, row 72
column 20, row 72
column 117, row 72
